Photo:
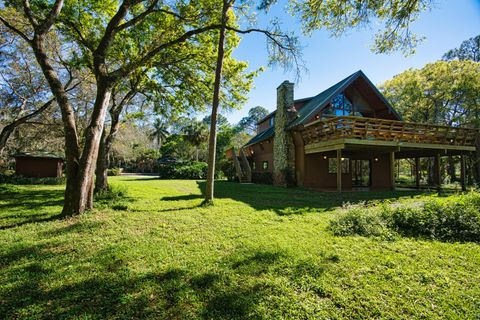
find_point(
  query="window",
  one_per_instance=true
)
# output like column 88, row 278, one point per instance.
column 332, row 165
column 340, row 106
column 253, row 165
column 265, row 165
column 271, row 121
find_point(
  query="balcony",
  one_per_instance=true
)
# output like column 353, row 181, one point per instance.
column 321, row 134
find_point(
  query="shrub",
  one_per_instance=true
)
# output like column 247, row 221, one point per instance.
column 183, row 170
column 24, row 180
column 228, row 169
column 456, row 218
column 114, row 171
column 362, row 221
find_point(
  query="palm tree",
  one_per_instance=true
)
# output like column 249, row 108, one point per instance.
column 159, row 132
column 196, row 133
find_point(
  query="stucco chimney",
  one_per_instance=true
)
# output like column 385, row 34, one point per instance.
column 283, row 147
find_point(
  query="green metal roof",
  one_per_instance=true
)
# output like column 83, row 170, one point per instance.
column 319, row 101
column 322, row 99
column 264, row 135
column 38, row 154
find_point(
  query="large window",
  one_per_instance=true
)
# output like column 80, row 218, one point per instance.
column 339, row 106
column 332, row 165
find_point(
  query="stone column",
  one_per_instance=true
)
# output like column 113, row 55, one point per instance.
column 283, row 147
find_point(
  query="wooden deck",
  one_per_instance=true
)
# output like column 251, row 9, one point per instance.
column 333, row 133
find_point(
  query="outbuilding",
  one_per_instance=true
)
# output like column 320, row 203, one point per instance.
column 38, row 164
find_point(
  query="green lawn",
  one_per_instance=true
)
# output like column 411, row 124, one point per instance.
column 260, row 252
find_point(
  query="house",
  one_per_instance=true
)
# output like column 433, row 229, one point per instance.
column 345, row 137
column 38, row 164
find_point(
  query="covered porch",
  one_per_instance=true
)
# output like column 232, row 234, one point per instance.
column 365, row 150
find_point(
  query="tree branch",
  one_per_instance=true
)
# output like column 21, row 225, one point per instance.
column 17, row 31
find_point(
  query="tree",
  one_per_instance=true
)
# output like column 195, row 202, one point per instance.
column 255, row 114
column 338, row 17
column 443, row 92
column 468, row 50
column 113, row 41
column 159, row 132
column 196, row 133
column 24, row 91
column 282, row 48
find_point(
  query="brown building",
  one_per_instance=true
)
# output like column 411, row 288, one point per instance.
column 345, row 137
column 38, row 164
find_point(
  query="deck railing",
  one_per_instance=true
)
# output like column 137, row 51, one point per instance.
column 386, row 130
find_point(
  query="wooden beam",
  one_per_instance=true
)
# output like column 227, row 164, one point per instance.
column 436, row 172
column 392, row 170
column 417, row 172
column 463, row 173
column 339, row 170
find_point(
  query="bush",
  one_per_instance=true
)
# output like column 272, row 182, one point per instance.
column 24, row 180
column 228, row 169
column 362, row 221
column 114, row 171
column 456, row 218
column 183, row 170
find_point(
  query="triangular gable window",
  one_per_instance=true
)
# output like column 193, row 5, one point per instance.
column 339, row 106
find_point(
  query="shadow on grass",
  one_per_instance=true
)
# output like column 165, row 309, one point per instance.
column 289, row 201
column 22, row 205
column 235, row 290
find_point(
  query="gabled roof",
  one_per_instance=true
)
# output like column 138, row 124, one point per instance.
column 322, row 99
column 275, row 111
column 264, row 135
column 38, row 154
column 316, row 103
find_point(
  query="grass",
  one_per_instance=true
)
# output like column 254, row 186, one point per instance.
column 260, row 252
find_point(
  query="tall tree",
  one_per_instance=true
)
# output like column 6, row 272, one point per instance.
column 255, row 114
column 113, row 41
column 444, row 92
column 196, row 133
column 468, row 50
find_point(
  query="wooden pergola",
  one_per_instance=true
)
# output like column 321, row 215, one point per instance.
column 400, row 139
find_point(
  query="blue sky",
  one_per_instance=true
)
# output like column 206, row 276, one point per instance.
column 329, row 60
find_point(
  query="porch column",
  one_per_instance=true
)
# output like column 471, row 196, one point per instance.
column 436, row 172
column 463, row 173
column 339, row 170
column 392, row 169
column 417, row 172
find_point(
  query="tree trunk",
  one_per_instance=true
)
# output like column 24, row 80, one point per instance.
column 106, row 142
column 476, row 163
column 212, row 143
column 93, row 133
column 72, row 145
column 101, row 176
column 451, row 169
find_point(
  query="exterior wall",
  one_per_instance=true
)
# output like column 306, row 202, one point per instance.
column 264, row 125
column 262, row 151
column 38, row 167
column 299, row 157
column 381, row 172
column 316, row 172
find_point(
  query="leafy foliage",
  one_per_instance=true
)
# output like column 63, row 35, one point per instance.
column 456, row 218
column 394, row 17
column 468, row 50
column 183, row 170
